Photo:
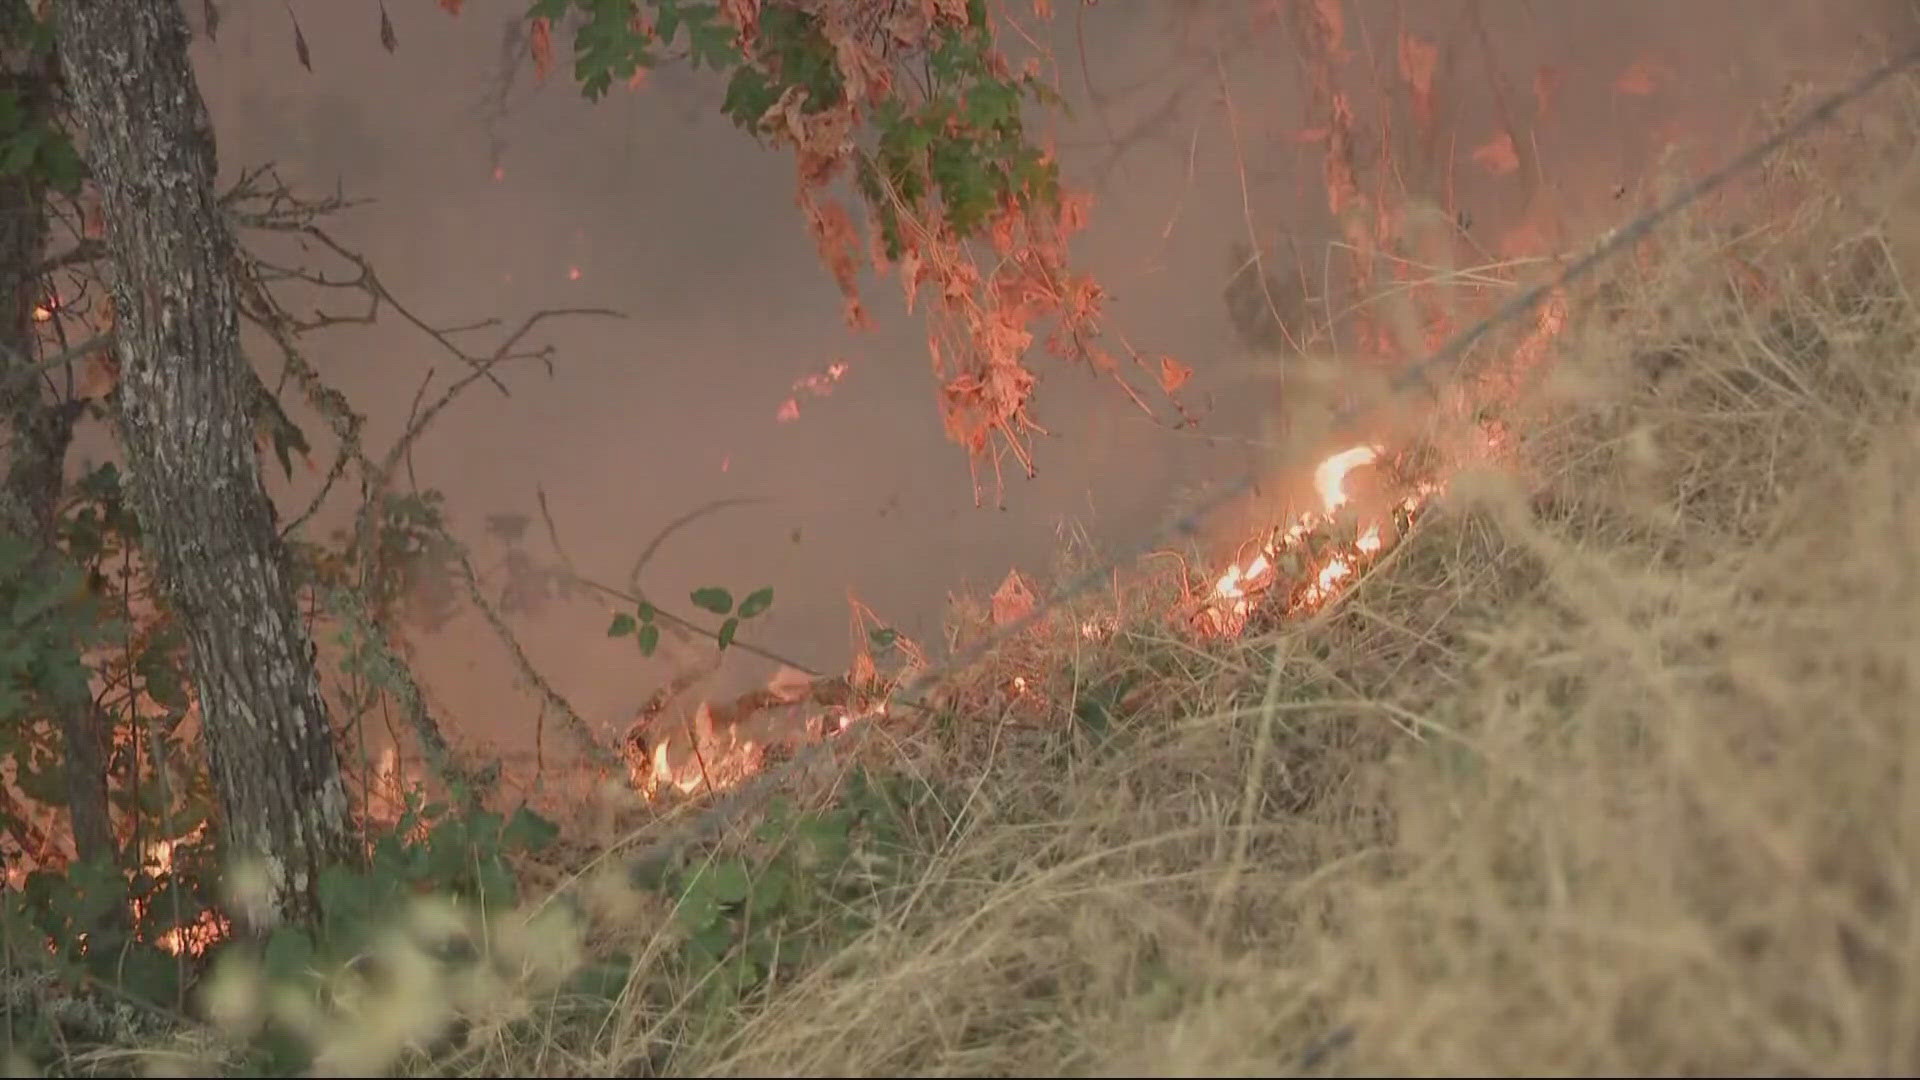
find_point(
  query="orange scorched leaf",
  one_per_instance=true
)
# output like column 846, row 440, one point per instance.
column 864, row 74
column 1546, row 83
column 1638, row 80
column 540, row 42
column 1498, row 156
column 1173, row 374
column 837, row 240
column 1333, row 22
column 1417, row 62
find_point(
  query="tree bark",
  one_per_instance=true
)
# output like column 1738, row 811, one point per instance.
column 42, row 431
column 193, row 467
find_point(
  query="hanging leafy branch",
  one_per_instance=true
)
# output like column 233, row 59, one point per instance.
column 914, row 104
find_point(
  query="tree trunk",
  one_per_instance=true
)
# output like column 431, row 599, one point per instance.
column 42, row 431
column 193, row 468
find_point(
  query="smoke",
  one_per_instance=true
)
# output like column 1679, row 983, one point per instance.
column 651, row 203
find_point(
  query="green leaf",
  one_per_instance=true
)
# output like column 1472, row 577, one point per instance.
column 649, row 639
column 749, row 96
column 714, row 599
column 622, row 625
column 728, row 882
column 727, row 630
column 698, row 909
column 713, row 43
column 992, row 104
column 666, row 20
column 289, row 953
column 61, row 165
column 528, row 831
column 756, row 602
column 1094, row 714
column 647, row 611
column 770, row 892
column 43, row 785
column 823, row 839
column 21, row 150
column 149, row 974
column 710, row 944
column 605, row 979
column 883, row 638
column 483, row 829
column 345, row 896
column 497, row 888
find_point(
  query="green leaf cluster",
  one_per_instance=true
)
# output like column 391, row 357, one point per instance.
column 962, row 141
column 32, row 146
column 610, row 44
column 643, row 622
column 796, row 894
column 966, row 144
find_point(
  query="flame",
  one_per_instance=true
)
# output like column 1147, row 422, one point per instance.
column 1330, row 476
column 721, row 744
column 1306, row 550
column 207, row 928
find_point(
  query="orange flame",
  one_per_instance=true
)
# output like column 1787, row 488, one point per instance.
column 1315, row 564
column 1330, row 476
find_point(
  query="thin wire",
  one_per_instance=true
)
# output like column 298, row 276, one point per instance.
column 726, row 806
column 1642, row 226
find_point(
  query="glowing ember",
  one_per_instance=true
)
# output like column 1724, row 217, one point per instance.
column 817, row 384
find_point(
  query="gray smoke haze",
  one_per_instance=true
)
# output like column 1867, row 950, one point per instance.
column 674, row 217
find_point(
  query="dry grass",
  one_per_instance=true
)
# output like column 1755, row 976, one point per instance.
column 1615, row 771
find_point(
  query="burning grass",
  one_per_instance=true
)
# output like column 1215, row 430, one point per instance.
column 1609, row 770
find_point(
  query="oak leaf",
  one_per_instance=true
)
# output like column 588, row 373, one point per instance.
column 1013, row 600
